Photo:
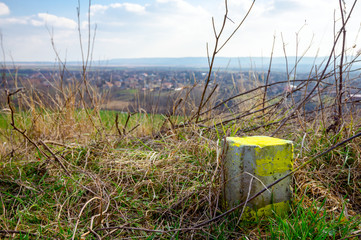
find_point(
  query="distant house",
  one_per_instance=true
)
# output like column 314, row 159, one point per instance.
column 290, row 88
column 108, row 84
column 118, row 83
column 167, row 85
column 352, row 97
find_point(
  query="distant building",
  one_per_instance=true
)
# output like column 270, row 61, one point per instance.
column 352, row 97
column 290, row 88
column 108, row 84
column 167, row 85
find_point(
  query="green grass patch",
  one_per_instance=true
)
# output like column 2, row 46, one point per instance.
column 4, row 120
column 312, row 222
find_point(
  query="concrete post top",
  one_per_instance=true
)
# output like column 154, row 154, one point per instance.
column 260, row 141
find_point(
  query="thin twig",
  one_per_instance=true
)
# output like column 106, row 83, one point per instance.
column 216, row 51
column 268, row 73
column 340, row 83
column 55, row 157
column 22, row 132
column 8, row 232
column 134, row 228
column 117, row 124
column 94, row 233
column 322, row 74
column 81, row 212
column 247, row 199
column 239, row 25
column 352, row 236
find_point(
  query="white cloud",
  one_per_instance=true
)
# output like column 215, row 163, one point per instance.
column 97, row 8
column 129, row 7
column 183, row 9
column 54, row 21
column 188, row 8
column 135, row 8
column 4, row 21
column 41, row 19
column 37, row 23
column 172, row 28
column 4, row 9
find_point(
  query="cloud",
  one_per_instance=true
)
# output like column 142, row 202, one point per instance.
column 97, row 8
column 286, row 17
column 129, row 7
column 135, row 8
column 260, row 8
column 22, row 21
column 4, row 9
column 54, row 21
column 41, row 19
column 182, row 7
column 171, row 27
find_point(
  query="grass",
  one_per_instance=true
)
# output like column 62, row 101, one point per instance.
column 168, row 182
column 141, row 190
column 4, row 122
column 145, row 119
column 23, row 119
column 312, row 223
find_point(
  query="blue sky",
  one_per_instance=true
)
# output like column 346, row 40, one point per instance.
column 170, row 28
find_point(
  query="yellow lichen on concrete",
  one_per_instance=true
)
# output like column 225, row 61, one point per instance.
column 272, row 155
column 273, row 160
column 280, row 209
column 261, row 141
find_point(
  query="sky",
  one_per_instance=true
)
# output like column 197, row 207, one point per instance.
column 170, row 28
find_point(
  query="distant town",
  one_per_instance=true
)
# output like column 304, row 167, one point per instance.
column 131, row 78
column 125, row 87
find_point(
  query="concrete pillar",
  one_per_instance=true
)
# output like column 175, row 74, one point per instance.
column 251, row 163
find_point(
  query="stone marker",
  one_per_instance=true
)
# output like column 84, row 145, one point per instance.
column 256, row 162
